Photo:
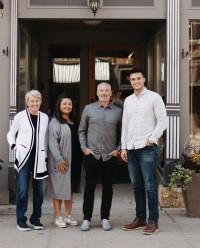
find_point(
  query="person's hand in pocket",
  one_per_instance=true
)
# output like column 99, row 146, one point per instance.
column 88, row 151
column 114, row 153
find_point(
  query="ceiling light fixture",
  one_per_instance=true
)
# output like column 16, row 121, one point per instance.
column 94, row 5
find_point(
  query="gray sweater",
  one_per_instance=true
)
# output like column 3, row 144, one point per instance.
column 59, row 150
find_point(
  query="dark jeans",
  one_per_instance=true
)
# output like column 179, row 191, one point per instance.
column 22, row 186
column 92, row 168
column 142, row 165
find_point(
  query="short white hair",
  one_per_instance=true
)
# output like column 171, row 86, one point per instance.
column 34, row 93
column 104, row 83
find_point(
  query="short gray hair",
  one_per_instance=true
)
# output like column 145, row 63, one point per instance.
column 104, row 83
column 34, row 93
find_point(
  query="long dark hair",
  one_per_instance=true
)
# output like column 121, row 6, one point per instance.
column 58, row 113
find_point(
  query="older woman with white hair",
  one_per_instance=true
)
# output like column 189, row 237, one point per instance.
column 28, row 137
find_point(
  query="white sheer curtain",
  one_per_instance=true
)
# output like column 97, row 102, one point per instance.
column 66, row 73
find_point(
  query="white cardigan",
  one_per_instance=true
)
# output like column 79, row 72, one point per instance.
column 22, row 134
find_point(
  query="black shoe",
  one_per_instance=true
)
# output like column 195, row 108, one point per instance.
column 23, row 227
column 37, row 225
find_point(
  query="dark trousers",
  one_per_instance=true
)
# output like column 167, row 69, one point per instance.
column 142, row 165
column 22, row 186
column 92, row 168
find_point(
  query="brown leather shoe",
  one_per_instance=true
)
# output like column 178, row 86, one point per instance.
column 150, row 229
column 134, row 225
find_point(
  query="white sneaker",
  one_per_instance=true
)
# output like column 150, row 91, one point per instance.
column 59, row 222
column 106, row 225
column 69, row 220
column 85, row 226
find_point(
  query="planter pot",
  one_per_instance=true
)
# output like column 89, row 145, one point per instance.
column 189, row 164
column 192, row 196
column 174, row 199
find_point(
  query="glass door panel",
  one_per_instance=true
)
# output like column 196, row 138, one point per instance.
column 194, row 67
column 112, row 64
column 66, row 79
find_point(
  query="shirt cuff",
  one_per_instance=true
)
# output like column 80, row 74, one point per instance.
column 153, row 139
column 83, row 148
column 118, row 148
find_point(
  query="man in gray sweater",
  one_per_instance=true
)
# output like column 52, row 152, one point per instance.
column 99, row 135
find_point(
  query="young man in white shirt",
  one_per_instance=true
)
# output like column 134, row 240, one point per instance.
column 144, row 120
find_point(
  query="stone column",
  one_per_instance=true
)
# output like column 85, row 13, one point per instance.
column 13, row 66
column 13, row 91
column 173, row 99
column 173, row 96
column 5, row 32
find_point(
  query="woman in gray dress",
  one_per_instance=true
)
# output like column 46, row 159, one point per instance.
column 60, row 158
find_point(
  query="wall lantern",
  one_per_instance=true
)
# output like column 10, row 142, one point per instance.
column 5, row 51
column 1, row 9
column 94, row 5
column 184, row 53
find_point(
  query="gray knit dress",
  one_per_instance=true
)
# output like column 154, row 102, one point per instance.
column 59, row 150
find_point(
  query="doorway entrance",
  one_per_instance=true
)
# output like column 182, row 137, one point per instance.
column 73, row 56
column 112, row 63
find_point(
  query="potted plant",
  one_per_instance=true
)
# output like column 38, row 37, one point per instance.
column 180, row 177
column 187, row 176
column 191, row 155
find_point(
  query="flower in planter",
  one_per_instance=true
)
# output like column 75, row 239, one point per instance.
column 195, row 157
column 191, row 155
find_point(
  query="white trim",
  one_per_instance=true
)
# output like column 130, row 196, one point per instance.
column 172, row 137
column 173, row 63
column 56, row 7
column 13, row 68
column 167, row 140
column 13, row 54
column 128, row 7
column 173, row 53
column 11, row 152
column 178, row 140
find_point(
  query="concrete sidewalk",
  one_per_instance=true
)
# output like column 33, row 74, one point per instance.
column 176, row 229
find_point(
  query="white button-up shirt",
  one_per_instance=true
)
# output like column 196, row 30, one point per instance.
column 144, row 118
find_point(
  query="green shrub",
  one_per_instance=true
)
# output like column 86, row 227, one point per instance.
column 180, row 177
